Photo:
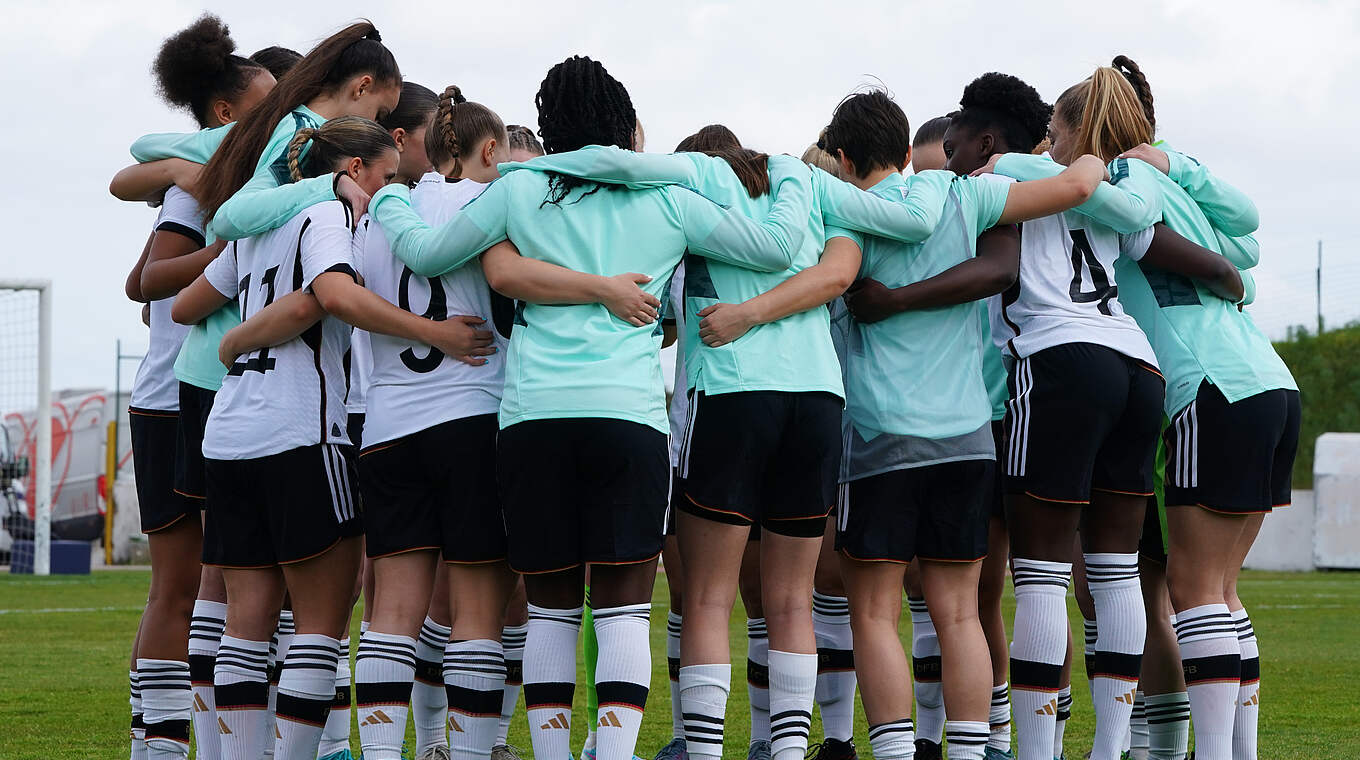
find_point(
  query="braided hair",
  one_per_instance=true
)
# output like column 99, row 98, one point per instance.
column 1134, row 74
column 459, row 126
column 523, row 138
column 339, row 139
column 580, row 104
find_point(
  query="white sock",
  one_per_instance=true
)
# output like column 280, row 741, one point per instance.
column 895, row 740
column 241, row 689
column 550, row 678
column 835, row 693
column 758, row 677
column 384, row 670
column 1120, row 632
column 474, row 679
column 429, row 702
column 1138, row 728
column 673, row 624
column 137, row 732
column 1060, row 720
column 206, row 626
column 283, row 637
column 306, row 691
column 1037, row 653
column 1089, row 629
column 1248, row 693
column 512, row 639
column 623, row 674
column 335, row 736
column 1168, row 717
column 703, row 694
column 925, row 673
column 793, row 681
column 167, row 707
column 1211, row 658
column 966, row 739
column 999, row 719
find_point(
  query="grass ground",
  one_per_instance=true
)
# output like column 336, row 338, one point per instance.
column 63, row 669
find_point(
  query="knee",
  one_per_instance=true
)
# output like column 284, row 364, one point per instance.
column 827, row 579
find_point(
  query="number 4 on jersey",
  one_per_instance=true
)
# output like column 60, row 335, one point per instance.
column 1084, row 258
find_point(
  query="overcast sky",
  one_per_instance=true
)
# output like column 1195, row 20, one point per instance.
column 1264, row 93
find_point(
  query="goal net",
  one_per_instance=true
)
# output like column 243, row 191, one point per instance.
column 26, row 429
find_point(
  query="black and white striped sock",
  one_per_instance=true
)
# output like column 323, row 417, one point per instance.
column 306, row 691
column 167, row 707
column 206, row 626
column 1037, row 652
column 1122, row 627
column 474, row 680
column 550, row 678
column 429, row 702
column 835, row 695
column 758, row 677
column 967, row 739
column 622, row 675
column 512, row 640
column 1211, row 659
column 1168, row 717
column 384, row 671
column 793, row 682
column 703, row 700
column 895, row 740
column 241, row 689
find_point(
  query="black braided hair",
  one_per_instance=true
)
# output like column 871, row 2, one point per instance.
column 1008, row 104
column 1134, row 74
column 580, row 104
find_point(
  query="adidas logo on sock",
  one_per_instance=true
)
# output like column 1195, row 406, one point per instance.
column 1049, row 709
column 453, row 725
column 377, row 718
column 199, row 704
column 1127, row 698
column 222, row 727
column 559, row 720
column 1254, row 700
column 610, row 720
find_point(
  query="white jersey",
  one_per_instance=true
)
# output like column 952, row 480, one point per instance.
column 156, row 387
column 415, row 386
column 1066, row 291
column 360, row 368
column 291, row 395
column 679, row 411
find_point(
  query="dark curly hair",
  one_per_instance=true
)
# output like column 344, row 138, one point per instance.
column 198, row 65
column 580, row 104
column 1007, row 104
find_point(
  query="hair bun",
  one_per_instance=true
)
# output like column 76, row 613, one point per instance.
column 373, row 35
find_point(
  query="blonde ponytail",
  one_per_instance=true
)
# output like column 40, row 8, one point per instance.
column 1106, row 113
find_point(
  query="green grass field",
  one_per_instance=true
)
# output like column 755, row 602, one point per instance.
column 64, row 643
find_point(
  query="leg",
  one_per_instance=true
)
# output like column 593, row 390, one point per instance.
column 675, row 584
column 514, row 630
column 757, row 641
column 874, row 590
column 925, row 666
column 787, row 565
column 1248, row 694
column 429, row 701
column 205, row 636
column 622, row 624
column 474, row 661
column 240, row 678
column 555, row 602
column 163, row 641
column 991, row 587
column 951, row 592
column 835, row 695
column 1166, row 705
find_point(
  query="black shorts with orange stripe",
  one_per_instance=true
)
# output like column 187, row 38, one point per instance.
column 1081, row 417
column 281, row 508
column 1233, row 458
column 768, row 459
column 157, row 465
column 582, row 490
column 195, row 404
column 435, row 489
column 933, row 512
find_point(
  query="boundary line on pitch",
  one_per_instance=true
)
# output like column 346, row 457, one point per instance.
column 53, row 610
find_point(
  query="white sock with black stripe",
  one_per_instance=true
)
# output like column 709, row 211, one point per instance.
column 925, row 673
column 474, row 676
column 1060, row 720
column 137, row 732
column 758, row 677
column 793, row 681
column 999, row 719
column 429, row 701
column 1168, row 718
column 167, row 707
column 384, row 670
column 512, row 640
column 703, row 699
column 335, row 736
column 967, row 739
column 306, row 691
column 1138, row 728
column 1121, row 630
column 673, row 626
column 835, row 693
column 1090, row 631
column 1248, row 693
column 622, row 676
column 1211, row 659
column 550, row 678
column 1037, row 652
column 206, row 627
column 241, row 685
column 895, row 740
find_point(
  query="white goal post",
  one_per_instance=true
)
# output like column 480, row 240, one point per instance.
column 17, row 350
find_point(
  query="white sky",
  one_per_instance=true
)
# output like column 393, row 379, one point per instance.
column 1244, row 86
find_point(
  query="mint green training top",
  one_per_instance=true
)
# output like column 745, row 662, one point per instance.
column 795, row 353
column 1196, row 335
column 578, row 360
column 918, row 374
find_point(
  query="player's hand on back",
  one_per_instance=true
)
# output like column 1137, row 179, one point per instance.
column 625, row 299
column 723, row 323
column 462, row 338
column 870, row 301
column 1155, row 156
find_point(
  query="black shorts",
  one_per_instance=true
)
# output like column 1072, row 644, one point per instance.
column 281, row 508
column 195, row 404
column 933, row 512
column 1081, row 417
column 155, row 438
column 997, row 498
column 677, row 495
column 764, row 458
column 582, row 490
column 354, row 427
column 435, row 489
column 1152, row 544
column 1233, row 458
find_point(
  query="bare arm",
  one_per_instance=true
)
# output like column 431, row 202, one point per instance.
column 174, row 262
column 147, row 182
column 132, row 287
column 277, row 323
column 194, row 303
column 1044, row 197
column 723, row 323
column 1172, row 252
column 535, row 281
column 994, row 269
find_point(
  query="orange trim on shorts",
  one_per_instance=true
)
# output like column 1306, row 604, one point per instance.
column 1229, row 512
column 165, row 526
column 545, row 572
column 952, row 561
column 241, row 567
column 281, row 563
column 153, row 413
column 1033, row 495
column 822, row 516
column 627, row 562
column 1122, row 493
column 889, row 560
column 379, row 447
column 1151, row 369
column 469, row 563
column 748, row 520
column 400, row 552
column 188, row 495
